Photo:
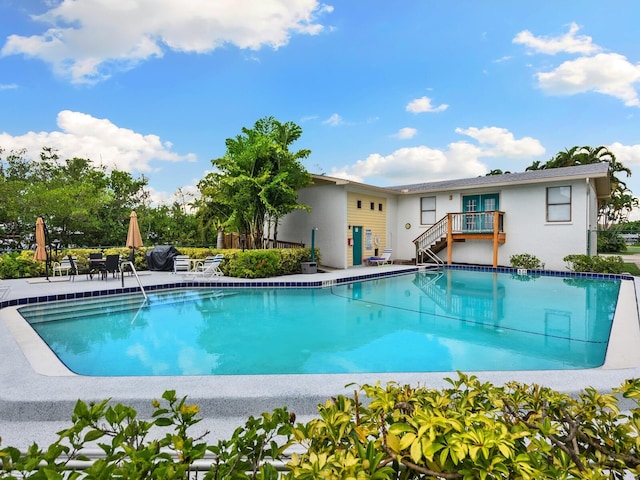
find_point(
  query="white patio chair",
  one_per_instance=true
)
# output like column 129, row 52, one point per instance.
column 62, row 267
column 208, row 261
column 385, row 259
column 211, row 271
column 181, row 263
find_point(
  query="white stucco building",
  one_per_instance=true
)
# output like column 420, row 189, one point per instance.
column 482, row 220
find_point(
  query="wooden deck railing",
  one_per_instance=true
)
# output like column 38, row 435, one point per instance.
column 463, row 226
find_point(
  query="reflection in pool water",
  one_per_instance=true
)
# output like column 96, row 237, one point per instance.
column 421, row 322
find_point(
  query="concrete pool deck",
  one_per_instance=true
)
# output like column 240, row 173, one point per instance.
column 33, row 406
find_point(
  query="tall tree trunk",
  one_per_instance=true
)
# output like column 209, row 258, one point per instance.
column 275, row 231
column 220, row 239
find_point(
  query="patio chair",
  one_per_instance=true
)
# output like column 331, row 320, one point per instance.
column 111, row 266
column 96, row 264
column 62, row 267
column 208, row 261
column 77, row 269
column 181, row 263
column 385, row 259
column 212, row 270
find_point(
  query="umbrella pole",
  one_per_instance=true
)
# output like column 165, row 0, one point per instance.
column 47, row 250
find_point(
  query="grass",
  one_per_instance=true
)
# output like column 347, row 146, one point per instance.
column 631, row 268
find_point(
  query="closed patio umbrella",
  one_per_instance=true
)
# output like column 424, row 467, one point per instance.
column 40, row 254
column 134, row 239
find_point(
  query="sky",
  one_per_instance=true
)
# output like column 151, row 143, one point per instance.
column 386, row 92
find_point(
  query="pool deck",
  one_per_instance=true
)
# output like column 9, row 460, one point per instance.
column 37, row 395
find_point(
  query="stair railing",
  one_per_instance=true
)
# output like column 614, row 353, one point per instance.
column 433, row 234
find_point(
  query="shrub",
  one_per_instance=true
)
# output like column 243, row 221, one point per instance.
column 266, row 263
column 468, row 430
column 20, row 265
column 595, row 263
column 525, row 260
column 253, row 264
column 610, row 242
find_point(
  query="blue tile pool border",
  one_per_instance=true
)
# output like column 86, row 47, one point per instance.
column 301, row 284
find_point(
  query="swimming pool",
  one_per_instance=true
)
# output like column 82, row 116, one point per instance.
column 420, row 322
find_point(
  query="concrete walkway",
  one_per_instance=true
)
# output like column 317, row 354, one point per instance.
column 34, row 406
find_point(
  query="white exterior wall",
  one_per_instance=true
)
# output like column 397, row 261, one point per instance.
column 329, row 215
column 592, row 201
column 525, row 224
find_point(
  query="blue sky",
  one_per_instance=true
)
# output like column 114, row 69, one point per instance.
column 386, row 93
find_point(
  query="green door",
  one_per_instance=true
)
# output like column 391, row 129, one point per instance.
column 357, row 245
column 479, row 203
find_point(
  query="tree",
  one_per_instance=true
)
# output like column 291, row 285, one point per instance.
column 213, row 209
column 614, row 209
column 81, row 203
column 259, row 178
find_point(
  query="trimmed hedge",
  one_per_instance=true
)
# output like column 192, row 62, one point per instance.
column 238, row 263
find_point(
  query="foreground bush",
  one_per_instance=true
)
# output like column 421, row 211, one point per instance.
column 470, row 430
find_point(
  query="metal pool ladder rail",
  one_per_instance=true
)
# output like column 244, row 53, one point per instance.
column 135, row 274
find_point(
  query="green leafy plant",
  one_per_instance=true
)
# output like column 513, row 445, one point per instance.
column 609, row 241
column 467, row 430
column 20, row 265
column 595, row 263
column 525, row 260
column 253, row 264
column 266, row 263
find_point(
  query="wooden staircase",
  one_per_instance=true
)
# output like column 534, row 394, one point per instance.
column 460, row 227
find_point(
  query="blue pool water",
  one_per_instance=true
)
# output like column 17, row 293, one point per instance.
column 421, row 322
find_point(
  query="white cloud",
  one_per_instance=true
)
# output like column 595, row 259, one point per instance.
column 87, row 40
column 405, row 133
column 334, row 120
column 84, row 136
column 629, row 155
column 502, row 143
column 423, row 104
column 8, row 86
column 606, row 73
column 459, row 160
column 567, row 43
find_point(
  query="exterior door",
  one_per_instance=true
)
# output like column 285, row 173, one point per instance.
column 480, row 203
column 470, row 203
column 357, row 245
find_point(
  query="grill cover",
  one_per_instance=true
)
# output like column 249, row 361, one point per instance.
column 160, row 258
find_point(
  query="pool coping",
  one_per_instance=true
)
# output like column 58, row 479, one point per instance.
column 29, row 396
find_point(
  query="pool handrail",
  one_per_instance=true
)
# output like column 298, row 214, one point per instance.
column 135, row 274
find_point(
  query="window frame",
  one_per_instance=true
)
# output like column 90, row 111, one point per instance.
column 551, row 204
column 424, row 211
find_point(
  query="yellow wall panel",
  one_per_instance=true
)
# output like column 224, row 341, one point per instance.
column 360, row 213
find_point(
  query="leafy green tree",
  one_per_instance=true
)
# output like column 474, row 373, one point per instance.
column 213, row 209
column 81, row 203
column 613, row 210
column 259, row 177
